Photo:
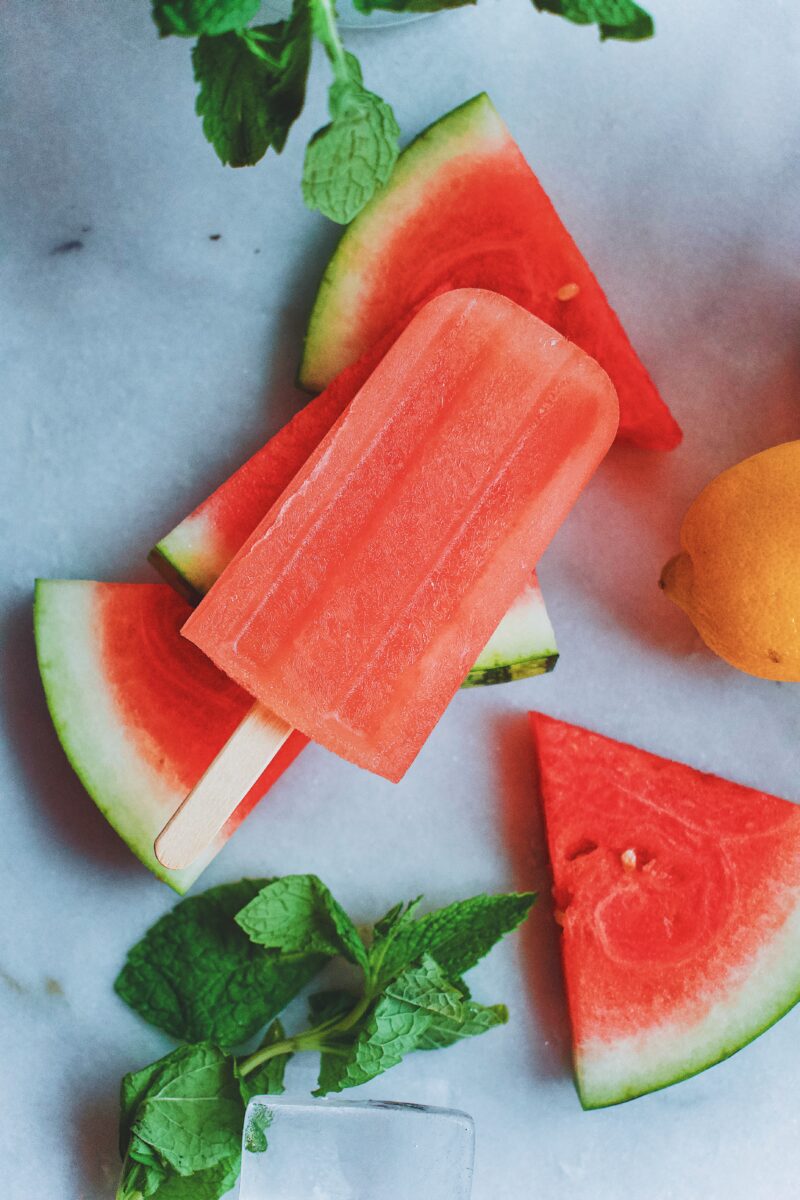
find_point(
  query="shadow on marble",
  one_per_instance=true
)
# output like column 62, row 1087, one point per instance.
column 52, row 784
column 95, row 1127
column 523, row 831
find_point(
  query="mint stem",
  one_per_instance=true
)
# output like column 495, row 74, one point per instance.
column 328, row 33
column 311, row 1039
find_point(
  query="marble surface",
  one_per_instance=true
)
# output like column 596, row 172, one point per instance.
column 140, row 361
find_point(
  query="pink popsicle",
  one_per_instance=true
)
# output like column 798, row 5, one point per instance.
column 358, row 605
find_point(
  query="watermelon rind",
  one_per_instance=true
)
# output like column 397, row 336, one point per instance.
column 132, row 796
column 328, row 349
column 523, row 645
column 178, row 567
column 609, row 1074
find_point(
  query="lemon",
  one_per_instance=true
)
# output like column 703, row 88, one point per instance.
column 738, row 577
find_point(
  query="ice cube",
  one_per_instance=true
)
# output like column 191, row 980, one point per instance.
column 345, row 1150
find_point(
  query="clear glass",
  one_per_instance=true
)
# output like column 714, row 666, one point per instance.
column 345, row 1150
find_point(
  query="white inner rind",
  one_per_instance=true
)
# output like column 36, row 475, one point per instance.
column 131, row 794
column 474, row 128
column 191, row 548
column 525, row 632
column 756, row 995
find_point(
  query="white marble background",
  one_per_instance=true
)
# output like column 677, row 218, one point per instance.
column 138, row 369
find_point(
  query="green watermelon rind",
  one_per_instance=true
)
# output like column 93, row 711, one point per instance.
column 120, row 784
column 173, row 571
column 525, row 626
column 596, row 1090
column 417, row 162
column 523, row 668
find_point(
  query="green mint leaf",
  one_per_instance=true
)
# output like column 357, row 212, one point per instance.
column 267, row 1080
column 255, row 1134
column 351, row 158
column 191, row 1114
column 385, row 929
column 297, row 915
column 146, row 1173
column 133, row 1089
column 198, row 977
column 457, row 936
column 188, row 18
column 462, row 987
column 620, row 19
column 474, row 1020
column 139, row 1180
column 253, row 86
column 420, row 997
column 201, row 1185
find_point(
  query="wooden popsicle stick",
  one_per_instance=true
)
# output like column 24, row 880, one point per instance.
column 248, row 751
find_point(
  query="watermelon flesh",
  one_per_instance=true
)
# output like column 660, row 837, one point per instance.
column 464, row 209
column 357, row 606
column 195, row 553
column 678, row 894
column 139, row 711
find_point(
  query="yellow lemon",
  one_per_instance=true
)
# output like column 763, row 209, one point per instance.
column 738, row 577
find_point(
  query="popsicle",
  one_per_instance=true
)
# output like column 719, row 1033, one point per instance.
column 356, row 608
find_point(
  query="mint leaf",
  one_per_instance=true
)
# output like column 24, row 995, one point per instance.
column 616, row 18
column 351, row 158
column 201, row 1185
column 474, row 1020
column 133, row 1089
column 188, row 18
column 420, row 997
column 267, row 1080
column 388, row 925
column 197, row 976
column 298, row 916
column 191, row 1114
column 139, row 1180
column 253, row 86
column 255, row 1134
column 457, row 936
column 148, row 1170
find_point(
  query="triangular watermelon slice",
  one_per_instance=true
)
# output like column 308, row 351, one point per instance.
column 139, row 711
column 679, row 898
column 464, row 209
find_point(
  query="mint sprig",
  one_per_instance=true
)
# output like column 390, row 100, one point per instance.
column 621, row 19
column 252, row 85
column 224, row 963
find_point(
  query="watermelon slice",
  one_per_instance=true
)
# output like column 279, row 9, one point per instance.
column 464, row 209
column 679, row 898
column 139, row 711
column 197, row 550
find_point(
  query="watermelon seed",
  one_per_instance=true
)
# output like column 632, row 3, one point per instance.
column 568, row 292
column 629, row 860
